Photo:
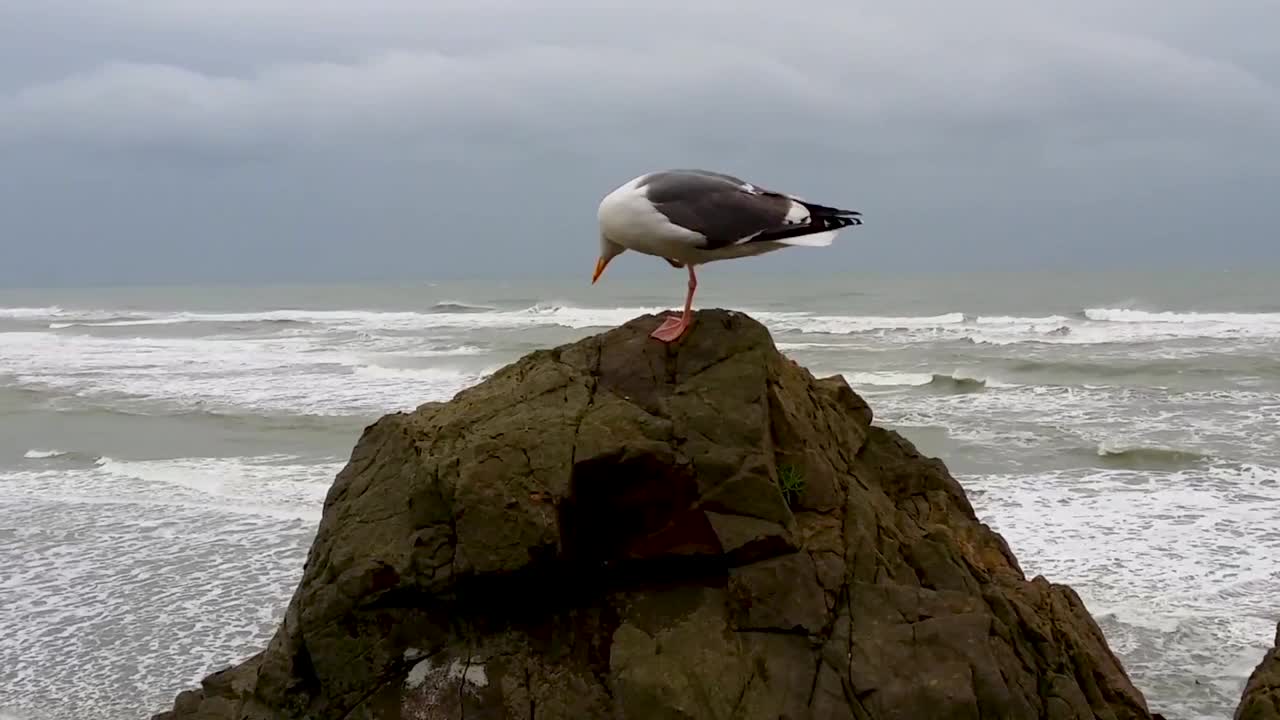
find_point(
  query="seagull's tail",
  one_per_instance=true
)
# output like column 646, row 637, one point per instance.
column 824, row 223
column 812, row 240
column 820, row 239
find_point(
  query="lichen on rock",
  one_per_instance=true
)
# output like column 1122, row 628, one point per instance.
column 599, row 531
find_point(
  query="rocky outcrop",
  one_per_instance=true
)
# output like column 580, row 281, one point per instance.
column 1261, row 700
column 619, row 528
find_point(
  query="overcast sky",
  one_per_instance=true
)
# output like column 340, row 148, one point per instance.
column 286, row 140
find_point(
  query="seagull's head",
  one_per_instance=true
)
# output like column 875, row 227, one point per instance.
column 608, row 251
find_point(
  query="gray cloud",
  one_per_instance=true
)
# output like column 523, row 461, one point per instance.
column 310, row 136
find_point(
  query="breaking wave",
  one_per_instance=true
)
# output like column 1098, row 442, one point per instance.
column 888, row 379
column 62, row 456
column 295, row 374
column 1095, row 326
column 1147, row 457
column 1122, row 315
column 937, row 382
column 459, row 307
column 956, row 385
column 439, row 315
column 30, row 312
column 1088, row 326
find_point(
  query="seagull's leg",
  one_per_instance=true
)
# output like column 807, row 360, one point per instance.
column 673, row 328
column 688, row 299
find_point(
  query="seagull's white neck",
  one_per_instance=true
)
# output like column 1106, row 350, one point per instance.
column 609, row 249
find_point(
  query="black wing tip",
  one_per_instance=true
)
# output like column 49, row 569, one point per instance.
column 819, row 224
column 837, row 218
column 847, row 218
column 825, row 217
column 828, row 211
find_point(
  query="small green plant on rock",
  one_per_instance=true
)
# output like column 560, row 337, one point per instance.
column 791, row 480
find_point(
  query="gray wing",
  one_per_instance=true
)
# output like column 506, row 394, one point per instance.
column 722, row 208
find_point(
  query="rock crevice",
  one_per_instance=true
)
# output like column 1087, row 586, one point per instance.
column 620, row 528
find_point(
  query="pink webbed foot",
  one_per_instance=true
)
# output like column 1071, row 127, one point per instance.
column 672, row 329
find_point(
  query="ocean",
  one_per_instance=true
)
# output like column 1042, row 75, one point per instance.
column 164, row 451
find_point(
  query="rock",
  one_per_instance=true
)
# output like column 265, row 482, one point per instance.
column 1261, row 700
column 619, row 528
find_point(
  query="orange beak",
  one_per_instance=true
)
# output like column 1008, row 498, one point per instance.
column 599, row 269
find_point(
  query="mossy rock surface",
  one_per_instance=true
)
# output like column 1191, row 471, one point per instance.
column 599, row 531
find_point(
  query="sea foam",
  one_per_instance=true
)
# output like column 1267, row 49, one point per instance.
column 107, row 560
column 295, row 374
column 1178, row 563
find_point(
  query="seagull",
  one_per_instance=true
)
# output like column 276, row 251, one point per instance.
column 691, row 217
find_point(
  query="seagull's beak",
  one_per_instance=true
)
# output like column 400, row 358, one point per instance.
column 599, row 269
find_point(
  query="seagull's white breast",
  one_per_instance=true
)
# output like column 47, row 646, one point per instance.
column 628, row 218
